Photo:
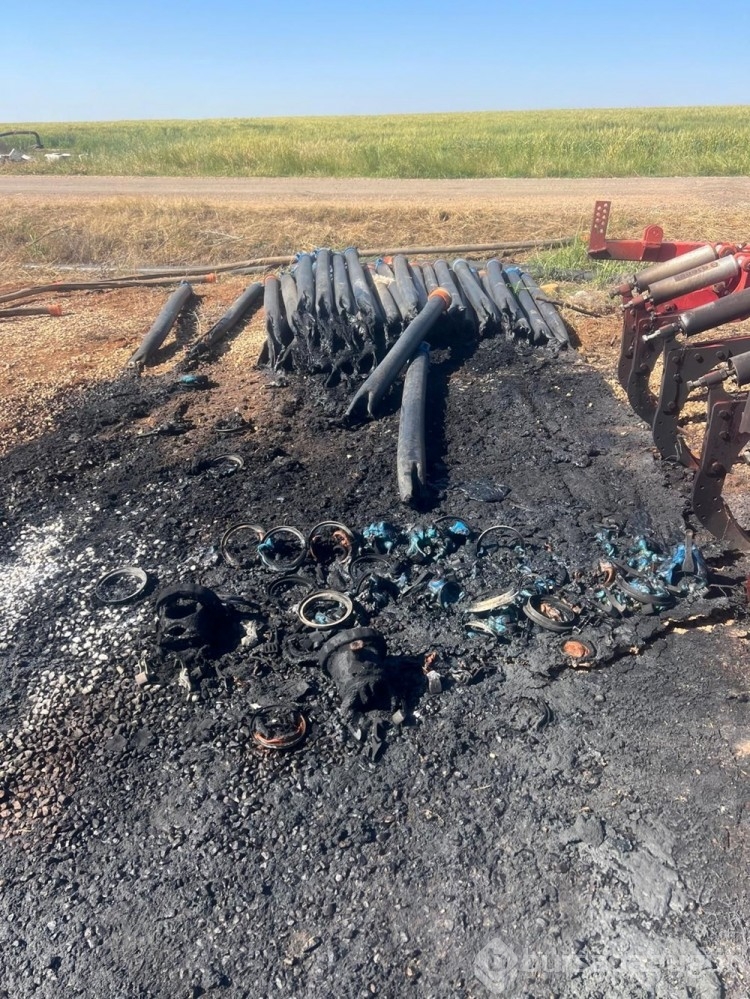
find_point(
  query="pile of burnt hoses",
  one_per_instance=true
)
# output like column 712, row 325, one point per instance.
column 331, row 314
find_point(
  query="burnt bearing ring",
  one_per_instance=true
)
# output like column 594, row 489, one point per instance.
column 113, row 581
column 232, row 557
column 324, row 599
column 550, row 613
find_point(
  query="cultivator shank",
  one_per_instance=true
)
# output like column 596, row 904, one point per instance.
column 689, row 289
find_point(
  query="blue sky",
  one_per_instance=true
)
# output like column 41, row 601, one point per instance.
column 71, row 60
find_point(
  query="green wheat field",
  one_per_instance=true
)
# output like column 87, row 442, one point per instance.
column 707, row 141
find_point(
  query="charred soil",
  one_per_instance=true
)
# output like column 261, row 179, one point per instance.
column 532, row 830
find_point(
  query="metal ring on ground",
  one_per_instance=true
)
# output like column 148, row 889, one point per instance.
column 231, row 558
column 495, row 528
column 289, row 736
column 281, row 584
column 139, row 580
column 284, row 565
column 534, row 612
column 322, row 597
column 345, row 541
column 365, row 565
column 649, row 596
column 231, row 462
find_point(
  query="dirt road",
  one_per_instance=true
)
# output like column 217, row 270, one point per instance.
column 671, row 191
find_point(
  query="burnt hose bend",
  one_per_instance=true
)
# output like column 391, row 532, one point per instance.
column 375, row 387
column 540, row 331
column 411, row 460
column 548, row 312
column 234, row 314
column 162, row 325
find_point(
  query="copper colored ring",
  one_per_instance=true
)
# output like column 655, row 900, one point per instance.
column 287, row 741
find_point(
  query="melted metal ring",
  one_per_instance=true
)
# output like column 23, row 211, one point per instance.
column 288, row 739
column 285, row 565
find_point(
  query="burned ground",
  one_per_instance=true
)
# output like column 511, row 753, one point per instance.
column 533, row 830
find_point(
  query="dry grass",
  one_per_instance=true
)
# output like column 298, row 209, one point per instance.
column 130, row 232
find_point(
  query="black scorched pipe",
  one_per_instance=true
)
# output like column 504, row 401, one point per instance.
column 385, row 272
column 707, row 317
column 540, row 331
column 162, row 325
column 387, row 302
column 405, row 286
column 378, row 383
column 549, row 313
column 365, row 302
column 486, row 311
column 278, row 334
column 234, row 314
column 505, row 300
column 411, row 460
column 419, row 285
column 445, row 276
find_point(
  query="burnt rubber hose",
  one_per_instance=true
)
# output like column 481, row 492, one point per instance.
column 446, row 280
column 430, row 279
column 387, row 303
column 486, row 311
column 303, row 275
column 366, row 306
column 419, row 285
column 44, row 289
column 385, row 272
column 162, row 325
column 343, row 297
column 323, row 286
column 378, row 383
column 234, row 314
column 405, row 286
column 540, row 331
column 411, row 460
column 289, row 297
column 549, row 313
column 278, row 334
column 505, row 300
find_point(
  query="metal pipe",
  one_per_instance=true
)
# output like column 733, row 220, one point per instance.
column 707, row 317
column 715, row 272
column 380, row 380
column 408, row 251
column 162, row 325
column 657, row 272
column 549, row 313
column 411, row 459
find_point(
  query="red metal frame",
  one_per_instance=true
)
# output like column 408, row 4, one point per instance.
column 652, row 247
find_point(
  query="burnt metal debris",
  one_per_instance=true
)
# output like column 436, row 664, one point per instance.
column 687, row 290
